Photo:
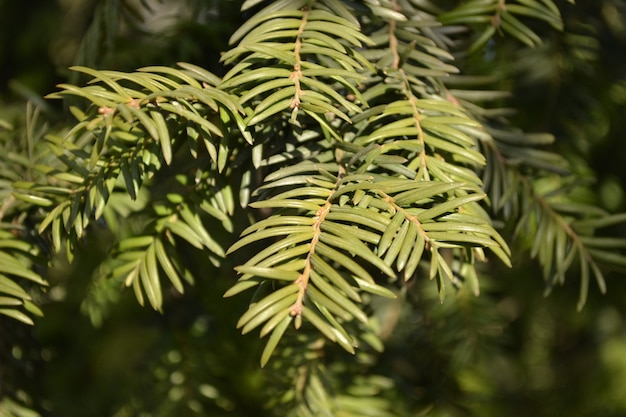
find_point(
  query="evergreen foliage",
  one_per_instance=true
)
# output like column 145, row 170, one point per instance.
column 344, row 153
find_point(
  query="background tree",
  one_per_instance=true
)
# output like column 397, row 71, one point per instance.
column 364, row 166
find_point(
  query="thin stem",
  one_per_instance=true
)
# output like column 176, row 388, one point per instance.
column 393, row 40
column 389, row 199
column 545, row 206
column 297, row 67
column 320, row 217
column 406, row 87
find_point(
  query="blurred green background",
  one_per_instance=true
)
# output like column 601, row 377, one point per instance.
column 509, row 352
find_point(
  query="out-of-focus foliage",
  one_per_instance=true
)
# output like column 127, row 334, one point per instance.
column 392, row 178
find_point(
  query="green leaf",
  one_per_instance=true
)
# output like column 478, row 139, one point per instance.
column 320, row 300
column 356, row 247
column 333, row 254
column 286, row 203
column 265, row 15
column 12, row 266
column 17, row 315
column 200, row 73
column 268, row 272
column 424, row 190
column 279, row 308
column 273, row 232
column 10, row 287
column 167, row 266
column 374, row 288
column 331, row 292
column 532, row 9
column 163, row 136
column 30, row 307
column 319, row 323
column 101, row 75
column 149, row 276
column 195, row 223
column 10, row 301
column 174, row 72
column 517, row 29
column 242, row 285
column 398, row 243
column 449, row 206
column 271, row 107
column 280, row 257
column 288, row 292
column 390, row 232
column 609, row 258
column 33, row 199
column 274, row 338
column 600, row 222
column 184, row 231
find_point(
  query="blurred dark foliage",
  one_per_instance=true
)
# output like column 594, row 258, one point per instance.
column 509, row 352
